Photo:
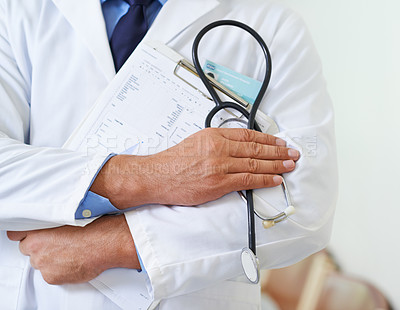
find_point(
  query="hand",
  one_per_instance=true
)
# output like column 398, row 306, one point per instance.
column 202, row 168
column 78, row 254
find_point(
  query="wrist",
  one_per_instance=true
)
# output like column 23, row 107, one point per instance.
column 121, row 181
column 127, row 256
column 116, row 248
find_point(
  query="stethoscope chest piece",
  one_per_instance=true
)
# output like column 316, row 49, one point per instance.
column 250, row 265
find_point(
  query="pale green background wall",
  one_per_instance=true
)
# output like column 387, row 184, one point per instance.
column 359, row 43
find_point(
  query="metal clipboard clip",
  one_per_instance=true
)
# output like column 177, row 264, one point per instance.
column 184, row 64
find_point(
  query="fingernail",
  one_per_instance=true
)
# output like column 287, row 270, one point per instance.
column 293, row 153
column 280, row 142
column 289, row 164
column 277, row 179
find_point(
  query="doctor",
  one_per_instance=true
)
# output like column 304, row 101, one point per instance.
column 55, row 60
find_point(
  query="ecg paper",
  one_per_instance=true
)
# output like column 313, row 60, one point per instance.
column 144, row 110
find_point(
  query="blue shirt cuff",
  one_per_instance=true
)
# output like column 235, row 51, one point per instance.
column 140, row 261
column 93, row 205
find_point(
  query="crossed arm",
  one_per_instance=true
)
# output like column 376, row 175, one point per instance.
column 202, row 168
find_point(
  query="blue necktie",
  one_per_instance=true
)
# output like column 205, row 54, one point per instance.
column 129, row 31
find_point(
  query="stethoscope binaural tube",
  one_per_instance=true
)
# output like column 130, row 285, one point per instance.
column 248, row 257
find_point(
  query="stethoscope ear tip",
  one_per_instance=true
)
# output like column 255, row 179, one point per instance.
column 290, row 210
column 268, row 224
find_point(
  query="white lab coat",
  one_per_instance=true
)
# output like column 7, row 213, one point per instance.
column 55, row 61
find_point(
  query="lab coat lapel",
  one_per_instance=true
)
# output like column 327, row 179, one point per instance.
column 86, row 17
column 176, row 16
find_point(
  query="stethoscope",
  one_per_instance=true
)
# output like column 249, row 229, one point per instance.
column 250, row 262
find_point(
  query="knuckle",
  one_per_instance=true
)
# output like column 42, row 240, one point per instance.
column 22, row 248
column 28, row 246
column 271, row 140
column 253, row 165
column 278, row 152
column 256, row 149
column 267, row 180
column 51, row 278
column 247, row 180
column 32, row 245
column 247, row 135
column 275, row 166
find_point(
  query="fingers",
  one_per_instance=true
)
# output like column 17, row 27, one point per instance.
column 247, row 135
column 16, row 235
column 254, row 144
column 256, row 166
column 24, row 247
column 247, row 181
column 261, row 151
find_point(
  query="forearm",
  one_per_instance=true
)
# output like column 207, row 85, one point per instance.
column 78, row 254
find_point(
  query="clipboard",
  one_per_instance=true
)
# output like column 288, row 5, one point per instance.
column 152, row 65
column 186, row 71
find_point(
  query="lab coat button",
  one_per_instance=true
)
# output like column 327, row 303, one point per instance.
column 86, row 213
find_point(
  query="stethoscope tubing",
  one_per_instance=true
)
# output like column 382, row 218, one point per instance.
column 219, row 105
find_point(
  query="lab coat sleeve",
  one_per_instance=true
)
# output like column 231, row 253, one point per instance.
column 185, row 249
column 41, row 187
